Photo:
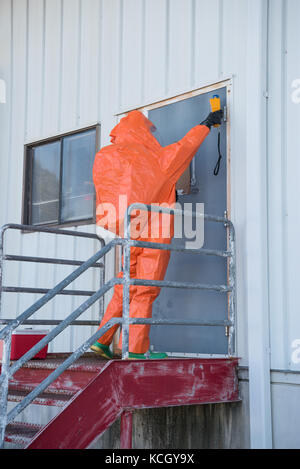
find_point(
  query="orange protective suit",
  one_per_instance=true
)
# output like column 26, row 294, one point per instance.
column 137, row 168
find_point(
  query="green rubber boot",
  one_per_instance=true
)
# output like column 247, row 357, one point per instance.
column 102, row 350
column 151, row 356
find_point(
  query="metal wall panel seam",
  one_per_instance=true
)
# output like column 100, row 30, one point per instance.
column 99, row 68
column 120, row 51
column 43, row 68
column 143, row 43
column 193, row 41
column 79, row 58
column 167, row 46
column 220, row 32
column 284, row 169
column 256, row 238
column 59, row 118
column 27, row 72
column 266, row 94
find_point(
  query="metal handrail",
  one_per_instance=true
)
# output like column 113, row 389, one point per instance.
column 8, row 371
column 127, row 281
column 14, row 323
column 5, row 334
column 46, row 260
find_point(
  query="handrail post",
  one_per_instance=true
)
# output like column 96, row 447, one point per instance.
column 126, row 288
column 102, row 282
column 4, row 386
column 5, row 357
column 1, row 266
column 232, row 294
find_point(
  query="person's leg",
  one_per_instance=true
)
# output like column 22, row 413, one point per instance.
column 151, row 265
column 115, row 306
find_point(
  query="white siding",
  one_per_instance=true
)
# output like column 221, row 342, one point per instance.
column 50, row 61
column 284, row 166
column 71, row 63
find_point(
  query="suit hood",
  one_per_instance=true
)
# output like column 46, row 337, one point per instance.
column 135, row 128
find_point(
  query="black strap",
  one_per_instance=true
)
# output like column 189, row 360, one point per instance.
column 217, row 167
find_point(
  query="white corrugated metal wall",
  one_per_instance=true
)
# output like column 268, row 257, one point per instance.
column 284, row 217
column 284, row 69
column 49, row 55
column 71, row 63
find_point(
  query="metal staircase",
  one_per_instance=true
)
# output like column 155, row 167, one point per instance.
column 101, row 392
column 92, row 394
column 54, row 399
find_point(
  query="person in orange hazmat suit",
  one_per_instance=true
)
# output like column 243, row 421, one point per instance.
column 136, row 168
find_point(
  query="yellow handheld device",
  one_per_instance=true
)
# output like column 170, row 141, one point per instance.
column 215, row 104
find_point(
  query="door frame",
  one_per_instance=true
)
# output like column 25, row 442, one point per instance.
column 208, row 88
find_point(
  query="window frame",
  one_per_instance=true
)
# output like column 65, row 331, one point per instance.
column 27, row 178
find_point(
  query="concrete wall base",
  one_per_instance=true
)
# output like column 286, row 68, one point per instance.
column 211, row 426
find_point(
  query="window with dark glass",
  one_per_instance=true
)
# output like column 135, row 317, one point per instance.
column 59, row 185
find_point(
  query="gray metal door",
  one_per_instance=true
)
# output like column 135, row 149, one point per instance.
column 173, row 121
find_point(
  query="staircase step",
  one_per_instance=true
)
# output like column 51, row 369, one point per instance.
column 72, row 380
column 20, row 433
column 46, row 398
column 58, row 394
column 88, row 362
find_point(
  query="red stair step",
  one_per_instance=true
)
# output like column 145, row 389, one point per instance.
column 69, row 383
column 21, row 433
column 47, row 398
column 58, row 394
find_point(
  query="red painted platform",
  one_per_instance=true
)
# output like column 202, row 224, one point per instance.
column 94, row 393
